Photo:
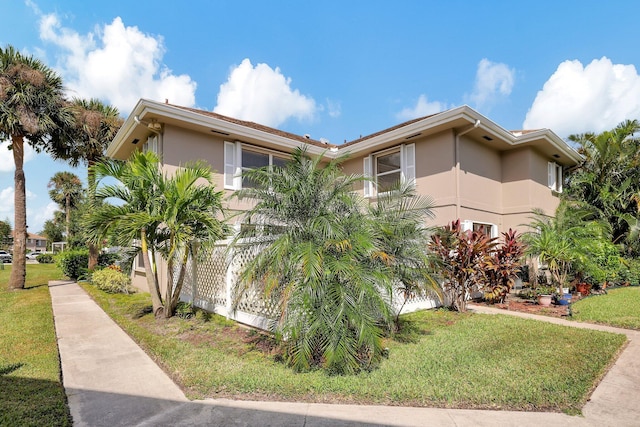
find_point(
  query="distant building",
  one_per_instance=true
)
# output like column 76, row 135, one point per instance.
column 35, row 242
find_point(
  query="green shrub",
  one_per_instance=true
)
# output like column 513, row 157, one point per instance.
column 112, row 281
column 105, row 260
column 74, row 263
column 45, row 259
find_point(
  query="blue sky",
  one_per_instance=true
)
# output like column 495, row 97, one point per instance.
column 334, row 69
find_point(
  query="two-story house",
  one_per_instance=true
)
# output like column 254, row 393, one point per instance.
column 475, row 170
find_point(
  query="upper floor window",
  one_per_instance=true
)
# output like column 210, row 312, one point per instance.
column 388, row 168
column 554, row 176
column 239, row 157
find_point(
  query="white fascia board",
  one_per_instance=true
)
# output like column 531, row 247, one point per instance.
column 411, row 129
column 145, row 107
column 554, row 140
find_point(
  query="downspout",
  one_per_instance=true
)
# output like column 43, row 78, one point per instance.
column 456, row 151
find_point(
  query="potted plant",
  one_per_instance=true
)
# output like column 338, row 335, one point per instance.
column 544, row 295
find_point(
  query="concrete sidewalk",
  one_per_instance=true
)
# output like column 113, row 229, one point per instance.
column 110, row 381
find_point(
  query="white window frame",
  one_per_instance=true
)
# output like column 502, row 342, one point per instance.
column 554, row 176
column 233, row 162
column 407, row 167
column 151, row 144
column 469, row 224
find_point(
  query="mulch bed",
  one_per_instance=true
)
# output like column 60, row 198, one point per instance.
column 515, row 303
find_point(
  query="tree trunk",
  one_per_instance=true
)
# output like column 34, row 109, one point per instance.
column 67, row 211
column 151, row 278
column 18, row 270
column 93, row 249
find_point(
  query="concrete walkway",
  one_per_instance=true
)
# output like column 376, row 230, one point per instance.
column 110, row 381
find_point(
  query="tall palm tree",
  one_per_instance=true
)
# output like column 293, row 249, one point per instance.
column 164, row 214
column 96, row 124
column 315, row 249
column 32, row 111
column 65, row 188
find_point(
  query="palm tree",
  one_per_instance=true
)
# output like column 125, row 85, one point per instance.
column 164, row 214
column 314, row 250
column 568, row 240
column 96, row 124
column 398, row 217
column 65, row 188
column 32, row 110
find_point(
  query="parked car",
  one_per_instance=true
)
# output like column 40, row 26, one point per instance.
column 32, row 255
column 5, row 257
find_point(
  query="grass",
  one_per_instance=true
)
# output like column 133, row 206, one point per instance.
column 619, row 307
column 31, row 390
column 442, row 359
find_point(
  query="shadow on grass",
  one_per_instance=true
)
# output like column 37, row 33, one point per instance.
column 32, row 402
column 5, row 370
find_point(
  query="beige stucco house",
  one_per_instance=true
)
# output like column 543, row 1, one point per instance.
column 475, row 170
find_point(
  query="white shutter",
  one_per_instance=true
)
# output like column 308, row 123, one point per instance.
column 551, row 175
column 466, row 225
column 230, row 165
column 408, row 163
column 559, row 178
column 367, row 172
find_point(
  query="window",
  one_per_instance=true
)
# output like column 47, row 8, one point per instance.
column 239, row 157
column 151, row 145
column 488, row 229
column 388, row 167
column 554, row 176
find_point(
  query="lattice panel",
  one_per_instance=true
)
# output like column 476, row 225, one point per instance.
column 252, row 300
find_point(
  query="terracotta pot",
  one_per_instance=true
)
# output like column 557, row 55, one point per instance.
column 544, row 300
column 584, row 289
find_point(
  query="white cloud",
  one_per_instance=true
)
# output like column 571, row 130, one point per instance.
column 493, row 80
column 36, row 220
column 6, row 200
column 422, row 108
column 262, row 94
column 579, row 99
column 116, row 63
column 334, row 108
column 6, row 156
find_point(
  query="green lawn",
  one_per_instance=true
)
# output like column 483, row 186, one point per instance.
column 445, row 360
column 619, row 307
column 31, row 391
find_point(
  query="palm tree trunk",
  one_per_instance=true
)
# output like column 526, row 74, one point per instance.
column 18, row 270
column 67, row 211
column 93, row 249
column 151, row 278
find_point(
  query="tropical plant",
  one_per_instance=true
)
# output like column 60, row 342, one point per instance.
column 96, row 124
column 460, row 257
column 33, row 111
column 65, row 188
column 5, row 233
column 312, row 250
column 398, row 218
column 501, row 267
column 157, row 215
column 608, row 181
column 566, row 242
column 112, row 281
